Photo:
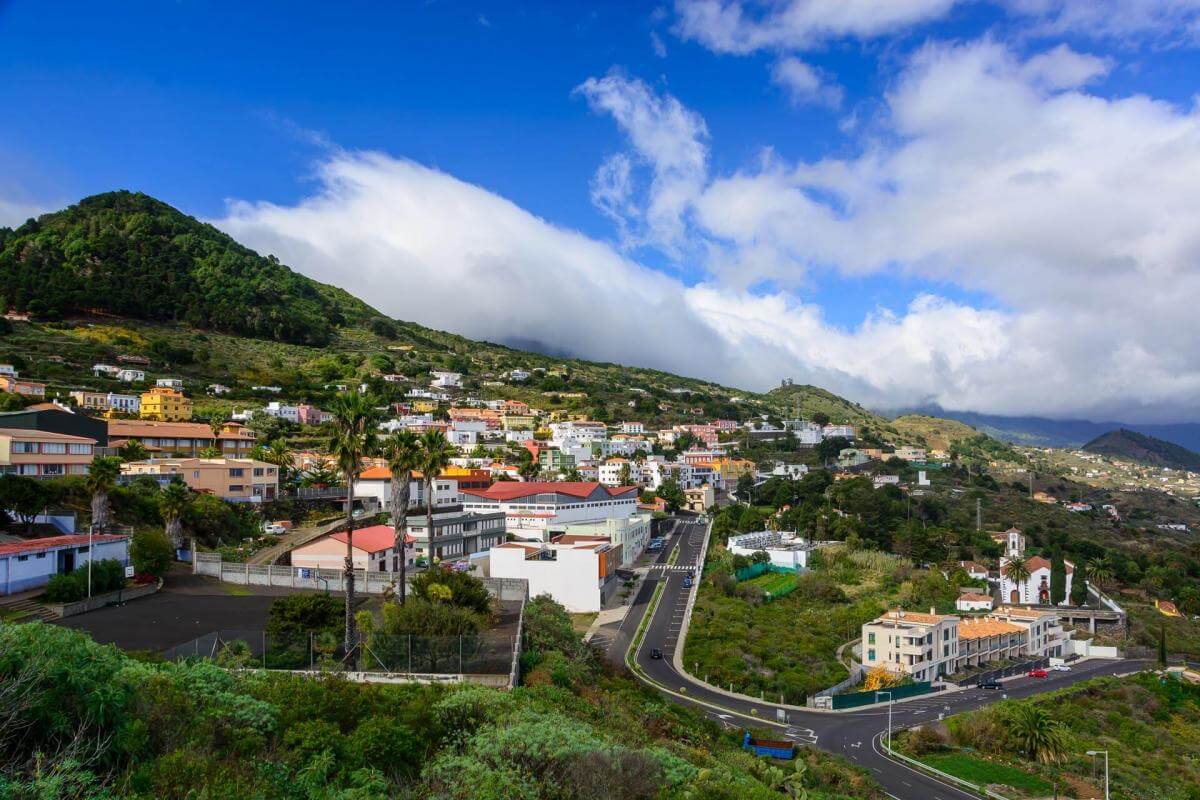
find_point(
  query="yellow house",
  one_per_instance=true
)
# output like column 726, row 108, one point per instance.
column 424, row 406
column 166, row 405
column 730, row 469
column 517, row 422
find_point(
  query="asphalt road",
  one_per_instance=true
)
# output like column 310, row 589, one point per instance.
column 854, row 735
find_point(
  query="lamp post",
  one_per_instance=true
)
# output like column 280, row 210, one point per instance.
column 891, row 702
column 91, row 532
column 1104, row 753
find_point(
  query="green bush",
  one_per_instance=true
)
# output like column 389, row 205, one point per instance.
column 107, row 576
column 151, row 552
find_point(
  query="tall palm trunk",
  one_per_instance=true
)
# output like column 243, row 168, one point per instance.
column 429, row 512
column 350, row 632
column 175, row 532
column 400, row 492
column 100, row 509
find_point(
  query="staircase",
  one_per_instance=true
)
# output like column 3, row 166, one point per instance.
column 23, row 609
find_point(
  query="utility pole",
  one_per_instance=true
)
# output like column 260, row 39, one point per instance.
column 978, row 514
column 891, row 702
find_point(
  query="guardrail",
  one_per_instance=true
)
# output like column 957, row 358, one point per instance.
column 921, row 766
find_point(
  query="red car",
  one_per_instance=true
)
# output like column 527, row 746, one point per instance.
column 1036, row 673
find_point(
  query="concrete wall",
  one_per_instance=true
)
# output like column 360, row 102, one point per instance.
column 102, row 600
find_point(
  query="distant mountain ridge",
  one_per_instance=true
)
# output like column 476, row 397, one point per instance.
column 1045, row 432
column 1124, row 443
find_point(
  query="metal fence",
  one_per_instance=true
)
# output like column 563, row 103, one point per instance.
column 485, row 654
column 856, row 699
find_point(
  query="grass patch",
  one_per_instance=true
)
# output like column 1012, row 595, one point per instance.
column 773, row 582
column 581, row 622
column 980, row 771
column 237, row 589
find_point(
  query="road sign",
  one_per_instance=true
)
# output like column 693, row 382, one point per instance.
column 129, row 572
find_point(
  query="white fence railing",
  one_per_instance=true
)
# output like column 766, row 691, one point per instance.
column 920, row 766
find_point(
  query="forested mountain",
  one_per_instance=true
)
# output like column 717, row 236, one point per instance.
column 127, row 254
column 1124, row 443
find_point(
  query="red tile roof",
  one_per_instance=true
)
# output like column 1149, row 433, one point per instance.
column 511, row 490
column 52, row 542
column 371, row 540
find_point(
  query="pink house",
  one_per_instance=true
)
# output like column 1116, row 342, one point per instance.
column 311, row 415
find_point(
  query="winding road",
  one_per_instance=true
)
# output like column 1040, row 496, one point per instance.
column 852, row 734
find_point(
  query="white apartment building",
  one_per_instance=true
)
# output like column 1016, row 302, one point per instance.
column 633, row 427
column 910, row 453
column 924, row 646
column 656, row 469
column 130, row 375
column 618, row 447
column 533, row 508
column 845, row 431
column 282, row 411
column 610, row 472
column 631, row 533
column 170, row 383
column 790, row 471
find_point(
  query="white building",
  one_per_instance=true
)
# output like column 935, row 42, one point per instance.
column 446, row 380
column 633, row 427
column 268, row 389
column 973, row 601
column 807, row 433
column 426, row 394
column 910, row 453
column 518, row 375
column 218, row 389
column 786, row 549
column 790, row 471
column 376, row 482
column 26, row 565
column 632, row 533
column 924, row 646
column 612, row 471
column 130, row 375
column 9, row 370
column 845, row 431
column 169, row 383
column 1034, row 590
column 533, row 508
column 282, row 411
column 578, row 572
column 105, row 370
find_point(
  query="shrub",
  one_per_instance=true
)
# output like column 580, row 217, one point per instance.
column 107, row 576
column 466, row 591
column 151, row 552
column 64, row 589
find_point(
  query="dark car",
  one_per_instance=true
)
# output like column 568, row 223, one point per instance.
column 655, row 652
column 687, row 582
column 988, row 685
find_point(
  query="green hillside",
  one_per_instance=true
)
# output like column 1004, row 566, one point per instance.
column 130, row 255
column 1134, row 446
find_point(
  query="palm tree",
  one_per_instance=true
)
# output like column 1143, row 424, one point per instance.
column 1017, row 572
column 353, row 439
column 101, row 478
column 1099, row 573
column 1035, row 732
column 436, row 451
column 279, row 454
column 211, row 451
column 172, row 502
column 132, row 450
column 403, row 453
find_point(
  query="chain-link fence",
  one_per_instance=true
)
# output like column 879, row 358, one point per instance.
column 478, row 654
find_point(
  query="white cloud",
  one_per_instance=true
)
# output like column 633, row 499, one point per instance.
column 1071, row 210
column 999, row 176
column 805, row 83
column 658, row 45
column 744, row 26
column 1165, row 22
column 666, row 137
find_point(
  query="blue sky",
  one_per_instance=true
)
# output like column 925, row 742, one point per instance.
column 825, row 208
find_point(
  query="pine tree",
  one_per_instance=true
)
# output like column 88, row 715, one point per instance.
column 1058, row 578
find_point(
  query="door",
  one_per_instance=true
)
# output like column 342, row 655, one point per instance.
column 1014, row 596
column 66, row 561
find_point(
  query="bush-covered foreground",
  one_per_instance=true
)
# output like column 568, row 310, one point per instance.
column 1150, row 725
column 81, row 720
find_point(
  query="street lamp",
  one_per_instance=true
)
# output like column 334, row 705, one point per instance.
column 1104, row 753
column 91, row 532
column 891, row 702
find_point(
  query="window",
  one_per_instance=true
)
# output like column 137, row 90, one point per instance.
column 24, row 447
column 871, row 655
column 79, row 449
column 54, row 448
column 236, row 472
column 41, row 555
column 237, row 487
column 871, row 639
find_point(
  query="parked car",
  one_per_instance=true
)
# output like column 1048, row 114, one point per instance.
column 687, row 581
column 989, row 684
column 655, row 652
column 1037, row 673
column 1061, row 668
column 274, row 529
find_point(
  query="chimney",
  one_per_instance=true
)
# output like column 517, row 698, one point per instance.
column 932, row 611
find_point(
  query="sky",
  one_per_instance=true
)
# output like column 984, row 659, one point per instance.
column 985, row 205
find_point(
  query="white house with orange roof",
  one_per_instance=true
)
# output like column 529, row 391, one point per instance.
column 1034, row 590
